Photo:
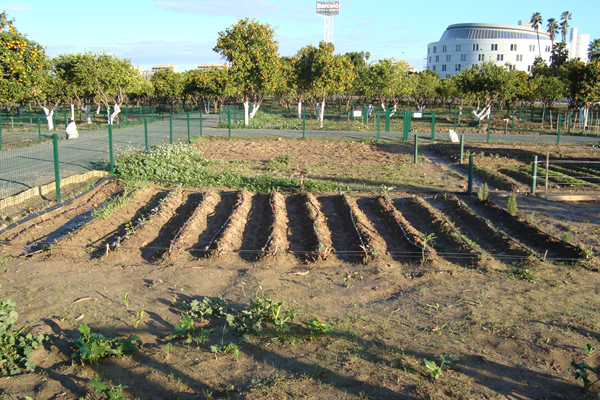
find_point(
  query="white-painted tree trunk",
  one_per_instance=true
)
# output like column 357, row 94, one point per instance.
column 299, row 110
column 583, row 117
column 246, row 105
column 98, row 110
column 113, row 115
column 370, row 108
column 383, row 106
column 483, row 114
column 394, row 110
column 87, row 109
column 255, row 108
column 207, row 106
column 320, row 113
column 49, row 114
column 72, row 112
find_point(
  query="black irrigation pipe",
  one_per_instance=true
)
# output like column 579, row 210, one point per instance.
column 395, row 210
column 362, row 243
column 459, row 234
column 141, row 221
column 55, row 207
column 274, row 223
column 314, row 222
column 237, row 207
column 186, row 222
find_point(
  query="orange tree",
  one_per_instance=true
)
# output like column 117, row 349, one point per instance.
column 20, row 60
column 168, row 84
column 251, row 50
column 583, row 86
column 212, row 86
column 319, row 72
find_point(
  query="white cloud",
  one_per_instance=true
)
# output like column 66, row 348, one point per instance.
column 11, row 8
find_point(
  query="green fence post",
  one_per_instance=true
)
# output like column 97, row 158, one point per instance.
column 512, row 128
column 146, row 134
column 520, row 115
column 39, row 130
column 110, row 150
column 200, row 122
column 66, row 121
column 470, row 183
column 432, row 127
column 56, row 167
column 416, row 159
column 387, row 120
column 30, row 120
column 378, row 117
column 455, row 116
column 558, row 133
column 171, row 128
column 569, row 123
column 534, row 168
column 303, row 122
column 141, row 113
column 54, row 121
column 462, row 147
column 126, row 114
column 229, row 121
column 532, row 114
column 506, row 127
column 188, row 122
column 489, row 127
column 152, row 112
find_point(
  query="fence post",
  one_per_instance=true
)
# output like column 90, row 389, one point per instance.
column 534, row 169
column 171, row 128
column 416, row 159
column 126, row 114
column 146, row 134
column 188, row 122
column 455, row 114
column 56, row 167
column 462, row 147
column 110, row 150
column 512, row 127
column 520, row 115
column 489, row 127
column 432, row 127
column 506, row 127
column 229, row 121
column 387, row 120
column 558, row 134
column 303, row 122
column 39, row 130
column 378, row 125
column 200, row 122
column 569, row 124
column 470, row 183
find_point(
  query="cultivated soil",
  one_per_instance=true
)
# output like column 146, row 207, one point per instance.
column 410, row 272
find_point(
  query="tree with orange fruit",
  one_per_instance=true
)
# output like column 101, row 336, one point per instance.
column 20, row 60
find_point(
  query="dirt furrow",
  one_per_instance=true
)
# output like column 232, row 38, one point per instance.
column 478, row 230
column 101, row 230
column 544, row 245
column 258, row 227
column 430, row 223
column 374, row 244
column 279, row 243
column 321, row 227
column 300, row 232
column 231, row 239
column 383, row 219
column 344, row 238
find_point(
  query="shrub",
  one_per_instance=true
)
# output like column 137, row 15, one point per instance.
column 511, row 204
column 482, row 192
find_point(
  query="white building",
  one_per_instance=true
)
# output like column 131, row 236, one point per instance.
column 466, row 45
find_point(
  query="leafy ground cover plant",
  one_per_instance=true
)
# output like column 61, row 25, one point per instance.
column 16, row 346
column 112, row 392
column 483, row 192
column 318, row 328
column 436, row 370
column 581, row 372
column 186, row 328
column 92, row 347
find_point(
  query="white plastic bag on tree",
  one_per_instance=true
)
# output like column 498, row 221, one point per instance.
column 453, row 136
column 72, row 131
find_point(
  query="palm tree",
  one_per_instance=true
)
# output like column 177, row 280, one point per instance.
column 594, row 50
column 565, row 17
column 536, row 21
column 552, row 29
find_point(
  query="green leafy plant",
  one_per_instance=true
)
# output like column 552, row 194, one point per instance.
column 226, row 348
column 16, row 346
column 436, row 370
column 206, row 307
column 511, row 204
column 483, row 192
column 138, row 317
column 318, row 328
column 427, row 239
column 186, row 328
column 112, row 392
column 92, row 347
column 524, row 274
column 590, row 349
column 581, row 372
column 281, row 162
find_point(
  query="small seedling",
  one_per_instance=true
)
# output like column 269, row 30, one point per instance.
column 590, row 349
column 226, row 348
column 436, row 370
column 318, row 328
column 91, row 347
column 127, row 298
column 138, row 317
column 581, row 372
column 112, row 392
column 155, row 283
column 186, row 328
column 483, row 192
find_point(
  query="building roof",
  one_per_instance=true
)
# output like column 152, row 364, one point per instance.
column 475, row 31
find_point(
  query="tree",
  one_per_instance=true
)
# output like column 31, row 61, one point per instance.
column 213, row 86
column 387, row 81
column 49, row 91
column 20, row 60
column 322, row 73
column 594, row 50
column 583, row 86
column 559, row 56
column 540, row 67
column 423, row 87
column 565, row 17
column 536, row 21
column 251, row 50
column 67, row 67
column 552, row 29
column 168, row 84
column 549, row 90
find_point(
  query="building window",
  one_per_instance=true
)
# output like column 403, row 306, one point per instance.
column 532, row 47
column 475, row 47
column 463, row 57
column 519, row 57
column 434, row 67
column 430, row 59
column 434, row 48
column 428, row 50
column 444, row 67
column 444, row 48
column 459, row 47
column 529, row 68
column 473, row 65
column 548, row 49
column 437, row 58
column 500, row 57
column 448, row 57
column 494, row 47
column 480, row 57
column 457, row 67
column 513, row 47
column 447, row 75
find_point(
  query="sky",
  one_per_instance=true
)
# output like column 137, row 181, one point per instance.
column 184, row 32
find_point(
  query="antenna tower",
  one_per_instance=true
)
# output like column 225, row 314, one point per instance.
column 327, row 9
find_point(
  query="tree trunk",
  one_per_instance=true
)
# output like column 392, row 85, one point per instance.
column 321, row 113
column 72, row 112
column 49, row 114
column 87, row 109
column 551, row 119
column 299, row 110
column 246, row 106
column 255, row 108
column 114, row 114
column 583, row 117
